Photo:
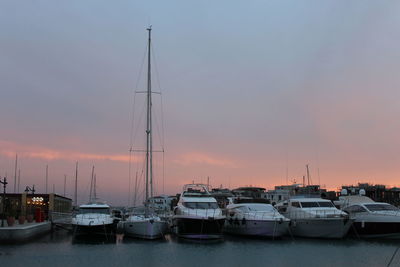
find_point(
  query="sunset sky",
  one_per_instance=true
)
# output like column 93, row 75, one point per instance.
column 252, row 91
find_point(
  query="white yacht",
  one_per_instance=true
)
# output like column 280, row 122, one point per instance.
column 197, row 214
column 371, row 219
column 93, row 218
column 315, row 217
column 147, row 224
column 255, row 219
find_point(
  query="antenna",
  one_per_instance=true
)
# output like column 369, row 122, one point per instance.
column 76, row 184
column 19, row 179
column 287, row 168
column 47, row 176
column 135, row 196
column 129, row 186
column 91, row 185
column 65, row 183
column 15, row 173
column 319, row 178
column 163, row 169
column 94, row 188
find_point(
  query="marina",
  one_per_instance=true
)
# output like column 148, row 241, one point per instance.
column 197, row 215
column 210, row 133
column 241, row 226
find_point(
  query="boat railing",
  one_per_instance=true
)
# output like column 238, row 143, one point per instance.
column 209, row 213
column 389, row 213
column 316, row 214
column 264, row 214
column 392, row 213
column 257, row 215
column 94, row 216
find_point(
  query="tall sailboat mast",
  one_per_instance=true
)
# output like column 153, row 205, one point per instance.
column 149, row 141
column 149, row 226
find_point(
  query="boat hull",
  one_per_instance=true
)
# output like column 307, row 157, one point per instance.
column 320, row 228
column 102, row 229
column 146, row 229
column 259, row 228
column 376, row 229
column 198, row 228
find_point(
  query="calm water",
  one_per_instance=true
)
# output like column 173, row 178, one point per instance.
column 58, row 249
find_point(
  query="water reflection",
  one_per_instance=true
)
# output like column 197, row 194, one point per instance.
column 86, row 250
column 94, row 239
column 181, row 240
column 130, row 239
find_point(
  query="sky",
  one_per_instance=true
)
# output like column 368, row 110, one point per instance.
column 251, row 93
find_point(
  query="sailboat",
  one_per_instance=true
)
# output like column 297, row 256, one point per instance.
column 94, row 217
column 147, row 224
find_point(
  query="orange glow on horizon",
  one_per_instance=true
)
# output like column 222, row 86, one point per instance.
column 8, row 149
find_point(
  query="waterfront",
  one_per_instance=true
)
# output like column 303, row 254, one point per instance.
column 58, row 249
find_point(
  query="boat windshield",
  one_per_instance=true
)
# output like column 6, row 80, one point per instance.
column 309, row 204
column 326, row 204
column 201, row 205
column 94, row 210
column 196, row 190
column 322, row 204
column 379, row 207
column 261, row 208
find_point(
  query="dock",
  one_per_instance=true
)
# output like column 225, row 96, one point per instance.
column 23, row 232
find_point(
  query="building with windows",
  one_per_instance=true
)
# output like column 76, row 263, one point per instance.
column 25, row 204
column 377, row 192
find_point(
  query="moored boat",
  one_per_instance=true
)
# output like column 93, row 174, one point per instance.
column 315, row 218
column 371, row 219
column 197, row 214
column 94, row 218
column 255, row 219
column 145, row 223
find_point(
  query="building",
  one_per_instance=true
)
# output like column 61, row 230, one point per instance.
column 221, row 195
column 284, row 192
column 377, row 192
column 29, row 204
column 278, row 194
column 250, row 191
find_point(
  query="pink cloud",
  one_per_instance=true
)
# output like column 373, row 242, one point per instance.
column 9, row 149
column 195, row 158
